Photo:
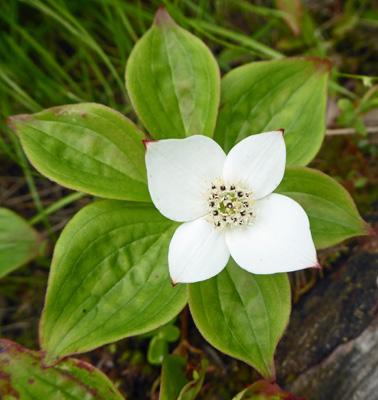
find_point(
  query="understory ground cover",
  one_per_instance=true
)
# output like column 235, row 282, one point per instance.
column 66, row 52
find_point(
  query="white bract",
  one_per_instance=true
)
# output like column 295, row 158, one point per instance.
column 227, row 206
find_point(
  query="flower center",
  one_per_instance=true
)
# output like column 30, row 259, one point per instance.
column 229, row 205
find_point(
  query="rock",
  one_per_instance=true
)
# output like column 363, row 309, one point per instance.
column 329, row 351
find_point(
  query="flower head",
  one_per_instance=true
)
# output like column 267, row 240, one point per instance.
column 227, row 206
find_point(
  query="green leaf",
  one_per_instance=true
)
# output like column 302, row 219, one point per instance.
column 109, row 278
column 266, row 96
column 170, row 333
column 164, row 330
column 359, row 126
column 157, row 349
column 264, row 390
column 19, row 243
column 86, row 147
column 173, row 377
column 242, row 314
column 174, row 382
column 23, row 377
column 330, row 208
column 158, row 346
column 192, row 388
column 348, row 112
column 173, row 81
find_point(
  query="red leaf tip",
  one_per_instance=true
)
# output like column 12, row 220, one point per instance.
column 324, row 65
column 8, row 121
column 282, row 131
column 370, row 231
column 162, row 18
column 321, row 65
column 11, row 120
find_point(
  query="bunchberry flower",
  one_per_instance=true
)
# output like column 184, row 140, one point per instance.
column 227, row 206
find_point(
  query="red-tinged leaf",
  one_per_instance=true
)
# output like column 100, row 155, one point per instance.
column 265, row 390
column 23, row 377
